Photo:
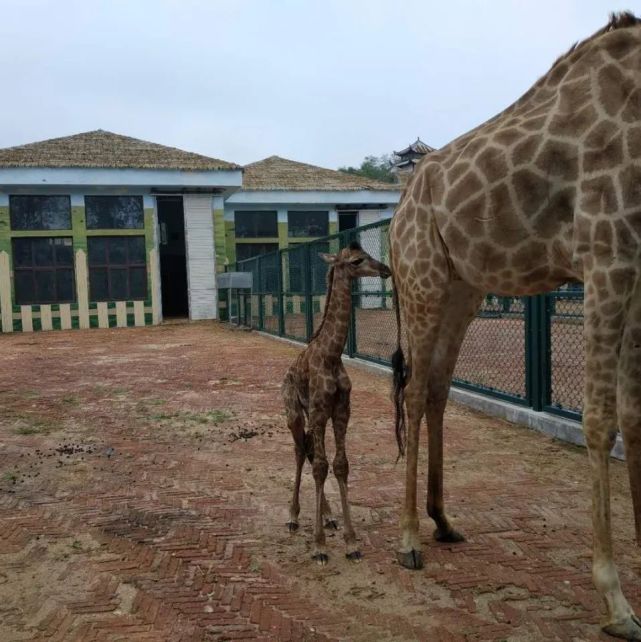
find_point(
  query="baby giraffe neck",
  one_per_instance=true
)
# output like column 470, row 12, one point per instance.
column 333, row 334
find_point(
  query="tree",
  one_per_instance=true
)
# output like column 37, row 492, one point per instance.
column 376, row 167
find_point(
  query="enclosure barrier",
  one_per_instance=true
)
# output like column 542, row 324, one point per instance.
column 526, row 350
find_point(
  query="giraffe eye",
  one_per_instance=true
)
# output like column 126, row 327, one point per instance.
column 357, row 261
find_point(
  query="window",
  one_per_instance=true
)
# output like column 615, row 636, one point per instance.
column 40, row 212
column 308, row 223
column 347, row 221
column 117, row 268
column 255, row 224
column 249, row 250
column 114, row 212
column 43, row 270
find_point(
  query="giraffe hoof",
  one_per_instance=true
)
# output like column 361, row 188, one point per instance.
column 320, row 558
column 292, row 527
column 411, row 559
column 331, row 524
column 628, row 629
column 452, row 536
column 354, row 556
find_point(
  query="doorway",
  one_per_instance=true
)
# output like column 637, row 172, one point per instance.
column 173, row 256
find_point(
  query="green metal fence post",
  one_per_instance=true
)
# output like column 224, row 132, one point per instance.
column 537, row 361
column 261, row 311
column 307, row 270
column 547, row 310
column 280, row 296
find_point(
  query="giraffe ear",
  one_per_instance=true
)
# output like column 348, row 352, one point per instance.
column 328, row 258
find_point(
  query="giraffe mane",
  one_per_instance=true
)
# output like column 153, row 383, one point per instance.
column 618, row 20
column 330, row 283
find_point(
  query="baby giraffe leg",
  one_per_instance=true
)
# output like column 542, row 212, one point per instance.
column 340, row 419
column 296, row 423
column 326, row 509
column 319, row 469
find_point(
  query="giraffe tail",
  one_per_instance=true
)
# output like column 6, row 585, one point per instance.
column 399, row 381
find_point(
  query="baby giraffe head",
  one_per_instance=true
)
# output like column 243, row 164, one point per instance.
column 356, row 262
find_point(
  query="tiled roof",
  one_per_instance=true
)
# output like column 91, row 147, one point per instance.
column 102, row 149
column 276, row 173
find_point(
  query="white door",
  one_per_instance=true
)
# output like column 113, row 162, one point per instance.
column 201, row 259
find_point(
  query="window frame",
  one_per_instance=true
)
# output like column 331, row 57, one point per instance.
column 294, row 213
column 108, row 266
column 33, row 269
column 89, row 197
column 255, row 234
column 22, row 230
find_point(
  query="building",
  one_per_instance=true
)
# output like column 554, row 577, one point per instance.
column 103, row 230
column 100, row 230
column 283, row 202
column 407, row 158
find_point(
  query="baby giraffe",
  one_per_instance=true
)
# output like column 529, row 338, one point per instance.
column 317, row 388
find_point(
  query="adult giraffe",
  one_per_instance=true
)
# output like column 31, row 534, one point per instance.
column 547, row 191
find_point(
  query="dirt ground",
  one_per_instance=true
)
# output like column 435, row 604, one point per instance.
column 144, row 481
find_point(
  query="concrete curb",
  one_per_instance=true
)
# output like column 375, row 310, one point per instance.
column 543, row 422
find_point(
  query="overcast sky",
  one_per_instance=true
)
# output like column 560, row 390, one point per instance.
column 326, row 82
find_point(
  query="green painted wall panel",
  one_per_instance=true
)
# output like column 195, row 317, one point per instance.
column 220, row 240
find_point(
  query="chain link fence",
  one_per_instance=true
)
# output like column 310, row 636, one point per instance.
column 528, row 350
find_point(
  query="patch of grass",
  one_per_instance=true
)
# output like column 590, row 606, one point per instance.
column 76, row 545
column 34, row 426
column 208, row 417
column 10, row 477
column 70, row 400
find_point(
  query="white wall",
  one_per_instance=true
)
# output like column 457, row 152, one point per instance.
column 201, row 259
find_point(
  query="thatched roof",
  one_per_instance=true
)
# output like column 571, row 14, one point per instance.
column 280, row 174
column 106, row 150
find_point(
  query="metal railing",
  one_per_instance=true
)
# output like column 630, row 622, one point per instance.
column 527, row 350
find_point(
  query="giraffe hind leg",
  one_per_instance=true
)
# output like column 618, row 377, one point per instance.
column 296, row 425
column 462, row 304
column 328, row 517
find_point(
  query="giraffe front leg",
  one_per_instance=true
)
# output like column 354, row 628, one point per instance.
column 320, row 467
column 340, row 419
column 607, row 367
column 326, row 509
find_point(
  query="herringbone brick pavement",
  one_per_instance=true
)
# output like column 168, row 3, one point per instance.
column 144, row 481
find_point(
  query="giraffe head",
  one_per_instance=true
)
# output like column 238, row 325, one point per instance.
column 356, row 262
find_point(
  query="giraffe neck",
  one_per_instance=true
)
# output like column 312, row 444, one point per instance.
column 332, row 334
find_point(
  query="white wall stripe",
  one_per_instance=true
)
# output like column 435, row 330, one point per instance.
column 45, row 317
column 121, row 314
column 5, row 293
column 65, row 316
column 103, row 315
column 26, row 318
column 139, row 313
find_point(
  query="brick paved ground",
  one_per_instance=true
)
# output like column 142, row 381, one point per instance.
column 144, row 480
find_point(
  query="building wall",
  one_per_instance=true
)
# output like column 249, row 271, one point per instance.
column 83, row 312
column 283, row 240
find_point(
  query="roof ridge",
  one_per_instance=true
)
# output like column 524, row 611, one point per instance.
column 107, row 149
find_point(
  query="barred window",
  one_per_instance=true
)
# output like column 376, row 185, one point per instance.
column 255, row 224
column 114, row 212
column 40, row 212
column 117, row 268
column 43, row 270
column 310, row 223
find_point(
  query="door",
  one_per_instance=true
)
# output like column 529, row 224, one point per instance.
column 173, row 259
